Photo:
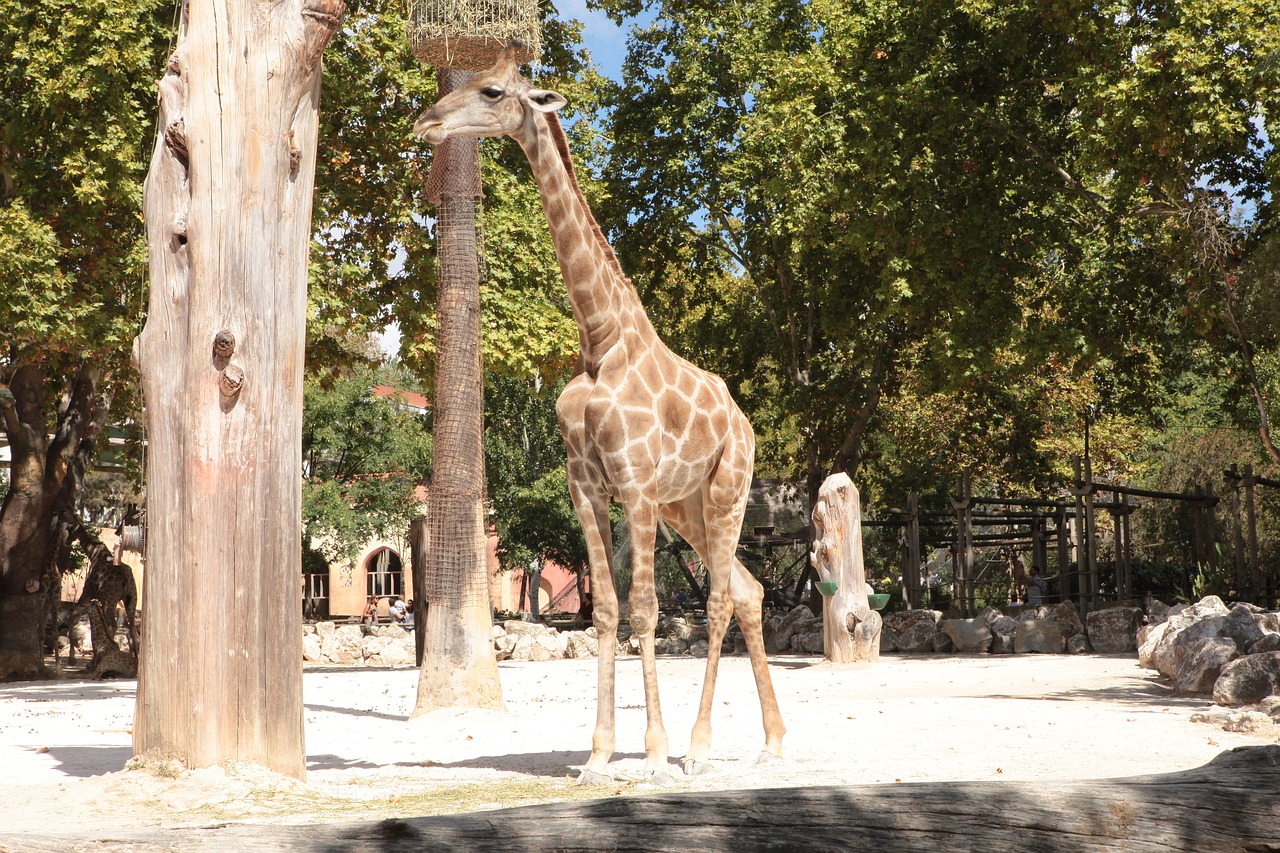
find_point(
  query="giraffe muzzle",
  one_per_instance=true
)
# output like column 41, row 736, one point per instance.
column 430, row 128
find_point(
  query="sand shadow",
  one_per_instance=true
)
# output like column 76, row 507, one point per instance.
column 85, row 761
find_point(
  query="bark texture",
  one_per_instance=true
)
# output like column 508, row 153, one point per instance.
column 228, row 210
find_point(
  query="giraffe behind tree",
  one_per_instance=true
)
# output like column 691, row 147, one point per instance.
column 641, row 426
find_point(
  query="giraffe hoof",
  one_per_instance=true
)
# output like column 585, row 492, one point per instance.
column 766, row 758
column 660, row 777
column 698, row 767
column 591, row 777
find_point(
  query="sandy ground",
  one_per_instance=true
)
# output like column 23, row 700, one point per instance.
column 63, row 744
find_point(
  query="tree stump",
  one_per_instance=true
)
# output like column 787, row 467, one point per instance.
column 850, row 628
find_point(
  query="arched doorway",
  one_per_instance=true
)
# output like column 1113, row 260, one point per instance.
column 384, row 573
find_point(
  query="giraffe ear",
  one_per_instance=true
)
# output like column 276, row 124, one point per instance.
column 545, row 100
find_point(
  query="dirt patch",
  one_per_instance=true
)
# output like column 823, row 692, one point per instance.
column 65, row 744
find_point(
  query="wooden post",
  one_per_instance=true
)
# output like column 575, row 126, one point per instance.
column 850, row 628
column 1251, row 531
column 228, row 213
column 1082, row 542
column 1237, row 533
column 1064, row 553
column 962, row 558
column 1210, row 527
column 911, row 579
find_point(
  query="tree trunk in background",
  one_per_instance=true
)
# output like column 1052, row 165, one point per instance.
column 419, row 548
column 228, row 212
column 850, row 628
column 44, row 473
column 459, row 668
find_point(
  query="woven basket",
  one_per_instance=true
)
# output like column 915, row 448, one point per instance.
column 469, row 34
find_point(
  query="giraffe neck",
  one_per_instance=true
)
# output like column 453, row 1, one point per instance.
column 605, row 304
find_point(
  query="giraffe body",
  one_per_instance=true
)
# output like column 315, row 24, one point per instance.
column 642, row 426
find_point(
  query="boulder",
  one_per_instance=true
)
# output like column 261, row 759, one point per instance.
column 1265, row 643
column 1066, row 614
column 325, row 629
column 1002, row 644
column 670, row 645
column 918, row 639
column 396, row 652
column 1241, row 625
column 1244, row 722
column 799, row 621
column 1157, row 611
column 311, row 647
column 504, row 645
column 888, row 640
column 675, row 626
column 1170, row 653
column 1268, row 621
column 1203, row 619
column 698, row 648
column 1201, row 662
column 581, row 645
column 1247, row 680
column 1078, row 644
column 810, row 643
column 1114, row 630
column 343, row 646
column 942, row 643
column 989, row 615
column 904, row 620
column 1148, row 639
column 518, row 628
column 535, row 647
column 1045, row 636
column 970, row 636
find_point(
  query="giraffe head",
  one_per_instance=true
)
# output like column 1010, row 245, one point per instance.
column 497, row 102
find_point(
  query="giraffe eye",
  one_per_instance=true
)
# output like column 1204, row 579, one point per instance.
column 493, row 93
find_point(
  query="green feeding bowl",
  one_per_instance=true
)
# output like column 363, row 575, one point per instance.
column 878, row 600
column 827, row 588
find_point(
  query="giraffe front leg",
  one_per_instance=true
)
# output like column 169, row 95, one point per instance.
column 593, row 515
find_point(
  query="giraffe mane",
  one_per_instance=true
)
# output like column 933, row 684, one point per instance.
column 562, row 148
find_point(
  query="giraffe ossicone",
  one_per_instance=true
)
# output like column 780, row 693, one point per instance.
column 641, row 426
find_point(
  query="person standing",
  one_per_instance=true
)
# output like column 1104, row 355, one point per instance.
column 1036, row 587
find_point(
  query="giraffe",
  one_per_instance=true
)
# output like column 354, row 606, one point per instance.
column 641, row 425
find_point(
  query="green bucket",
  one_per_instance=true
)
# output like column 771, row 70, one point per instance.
column 878, row 600
column 827, row 588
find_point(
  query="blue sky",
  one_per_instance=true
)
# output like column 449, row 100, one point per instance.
column 606, row 41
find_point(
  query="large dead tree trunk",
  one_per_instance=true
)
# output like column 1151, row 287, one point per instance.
column 228, row 210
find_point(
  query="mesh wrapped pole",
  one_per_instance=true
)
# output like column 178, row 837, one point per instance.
column 457, row 573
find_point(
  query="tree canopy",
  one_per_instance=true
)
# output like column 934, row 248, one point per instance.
column 968, row 203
